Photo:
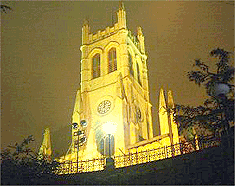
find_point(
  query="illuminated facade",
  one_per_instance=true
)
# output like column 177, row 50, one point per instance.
column 45, row 149
column 113, row 99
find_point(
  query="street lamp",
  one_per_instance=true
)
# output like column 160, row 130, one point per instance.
column 219, row 91
column 80, row 140
column 109, row 128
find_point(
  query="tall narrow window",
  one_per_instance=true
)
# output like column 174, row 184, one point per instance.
column 96, row 66
column 138, row 73
column 112, row 59
column 130, row 64
column 106, row 146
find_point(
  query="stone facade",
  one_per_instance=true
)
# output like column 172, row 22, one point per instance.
column 114, row 92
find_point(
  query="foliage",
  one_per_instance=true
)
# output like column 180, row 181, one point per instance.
column 224, row 74
column 4, row 8
column 22, row 166
column 218, row 110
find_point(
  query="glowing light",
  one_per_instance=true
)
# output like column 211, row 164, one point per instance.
column 218, row 89
column 75, row 125
column 221, row 88
column 109, row 128
column 83, row 123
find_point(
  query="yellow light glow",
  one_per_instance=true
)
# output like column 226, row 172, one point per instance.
column 109, row 128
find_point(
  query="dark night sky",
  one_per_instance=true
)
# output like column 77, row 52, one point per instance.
column 40, row 56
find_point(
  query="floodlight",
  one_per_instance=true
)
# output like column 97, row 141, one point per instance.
column 109, row 128
column 83, row 123
column 75, row 125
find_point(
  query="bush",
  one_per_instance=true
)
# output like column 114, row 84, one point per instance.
column 22, row 166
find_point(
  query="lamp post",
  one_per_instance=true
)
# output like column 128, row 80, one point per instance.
column 81, row 140
column 76, row 145
column 219, row 91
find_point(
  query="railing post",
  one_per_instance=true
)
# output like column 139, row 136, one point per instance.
column 130, row 158
column 87, row 165
column 147, row 155
column 165, row 152
column 124, row 160
column 66, row 168
column 104, row 163
column 137, row 155
column 158, row 151
column 172, row 150
column 81, row 166
column 61, row 169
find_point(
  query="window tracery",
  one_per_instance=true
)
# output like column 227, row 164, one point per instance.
column 112, row 60
column 96, row 66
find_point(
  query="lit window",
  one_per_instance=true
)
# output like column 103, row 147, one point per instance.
column 112, row 60
column 96, row 66
column 107, row 145
column 130, row 64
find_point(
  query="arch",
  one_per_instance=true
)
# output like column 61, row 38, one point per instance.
column 106, row 146
column 111, row 45
column 95, row 57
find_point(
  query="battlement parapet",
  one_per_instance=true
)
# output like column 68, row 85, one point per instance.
column 101, row 34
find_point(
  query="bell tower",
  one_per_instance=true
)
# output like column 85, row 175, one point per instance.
column 113, row 98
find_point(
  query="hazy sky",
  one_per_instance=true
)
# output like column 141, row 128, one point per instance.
column 40, row 56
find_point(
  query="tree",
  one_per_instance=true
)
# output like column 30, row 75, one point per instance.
column 218, row 110
column 4, row 8
column 22, row 166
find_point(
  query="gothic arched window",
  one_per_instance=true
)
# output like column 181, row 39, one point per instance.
column 106, row 146
column 130, row 64
column 112, row 60
column 138, row 73
column 96, row 66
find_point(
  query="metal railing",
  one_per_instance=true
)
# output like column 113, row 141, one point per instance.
column 139, row 157
column 69, row 167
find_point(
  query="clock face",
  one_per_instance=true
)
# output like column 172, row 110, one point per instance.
column 104, row 107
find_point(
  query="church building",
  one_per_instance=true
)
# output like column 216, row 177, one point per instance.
column 112, row 113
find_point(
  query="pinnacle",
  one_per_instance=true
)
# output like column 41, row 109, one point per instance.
column 121, row 5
